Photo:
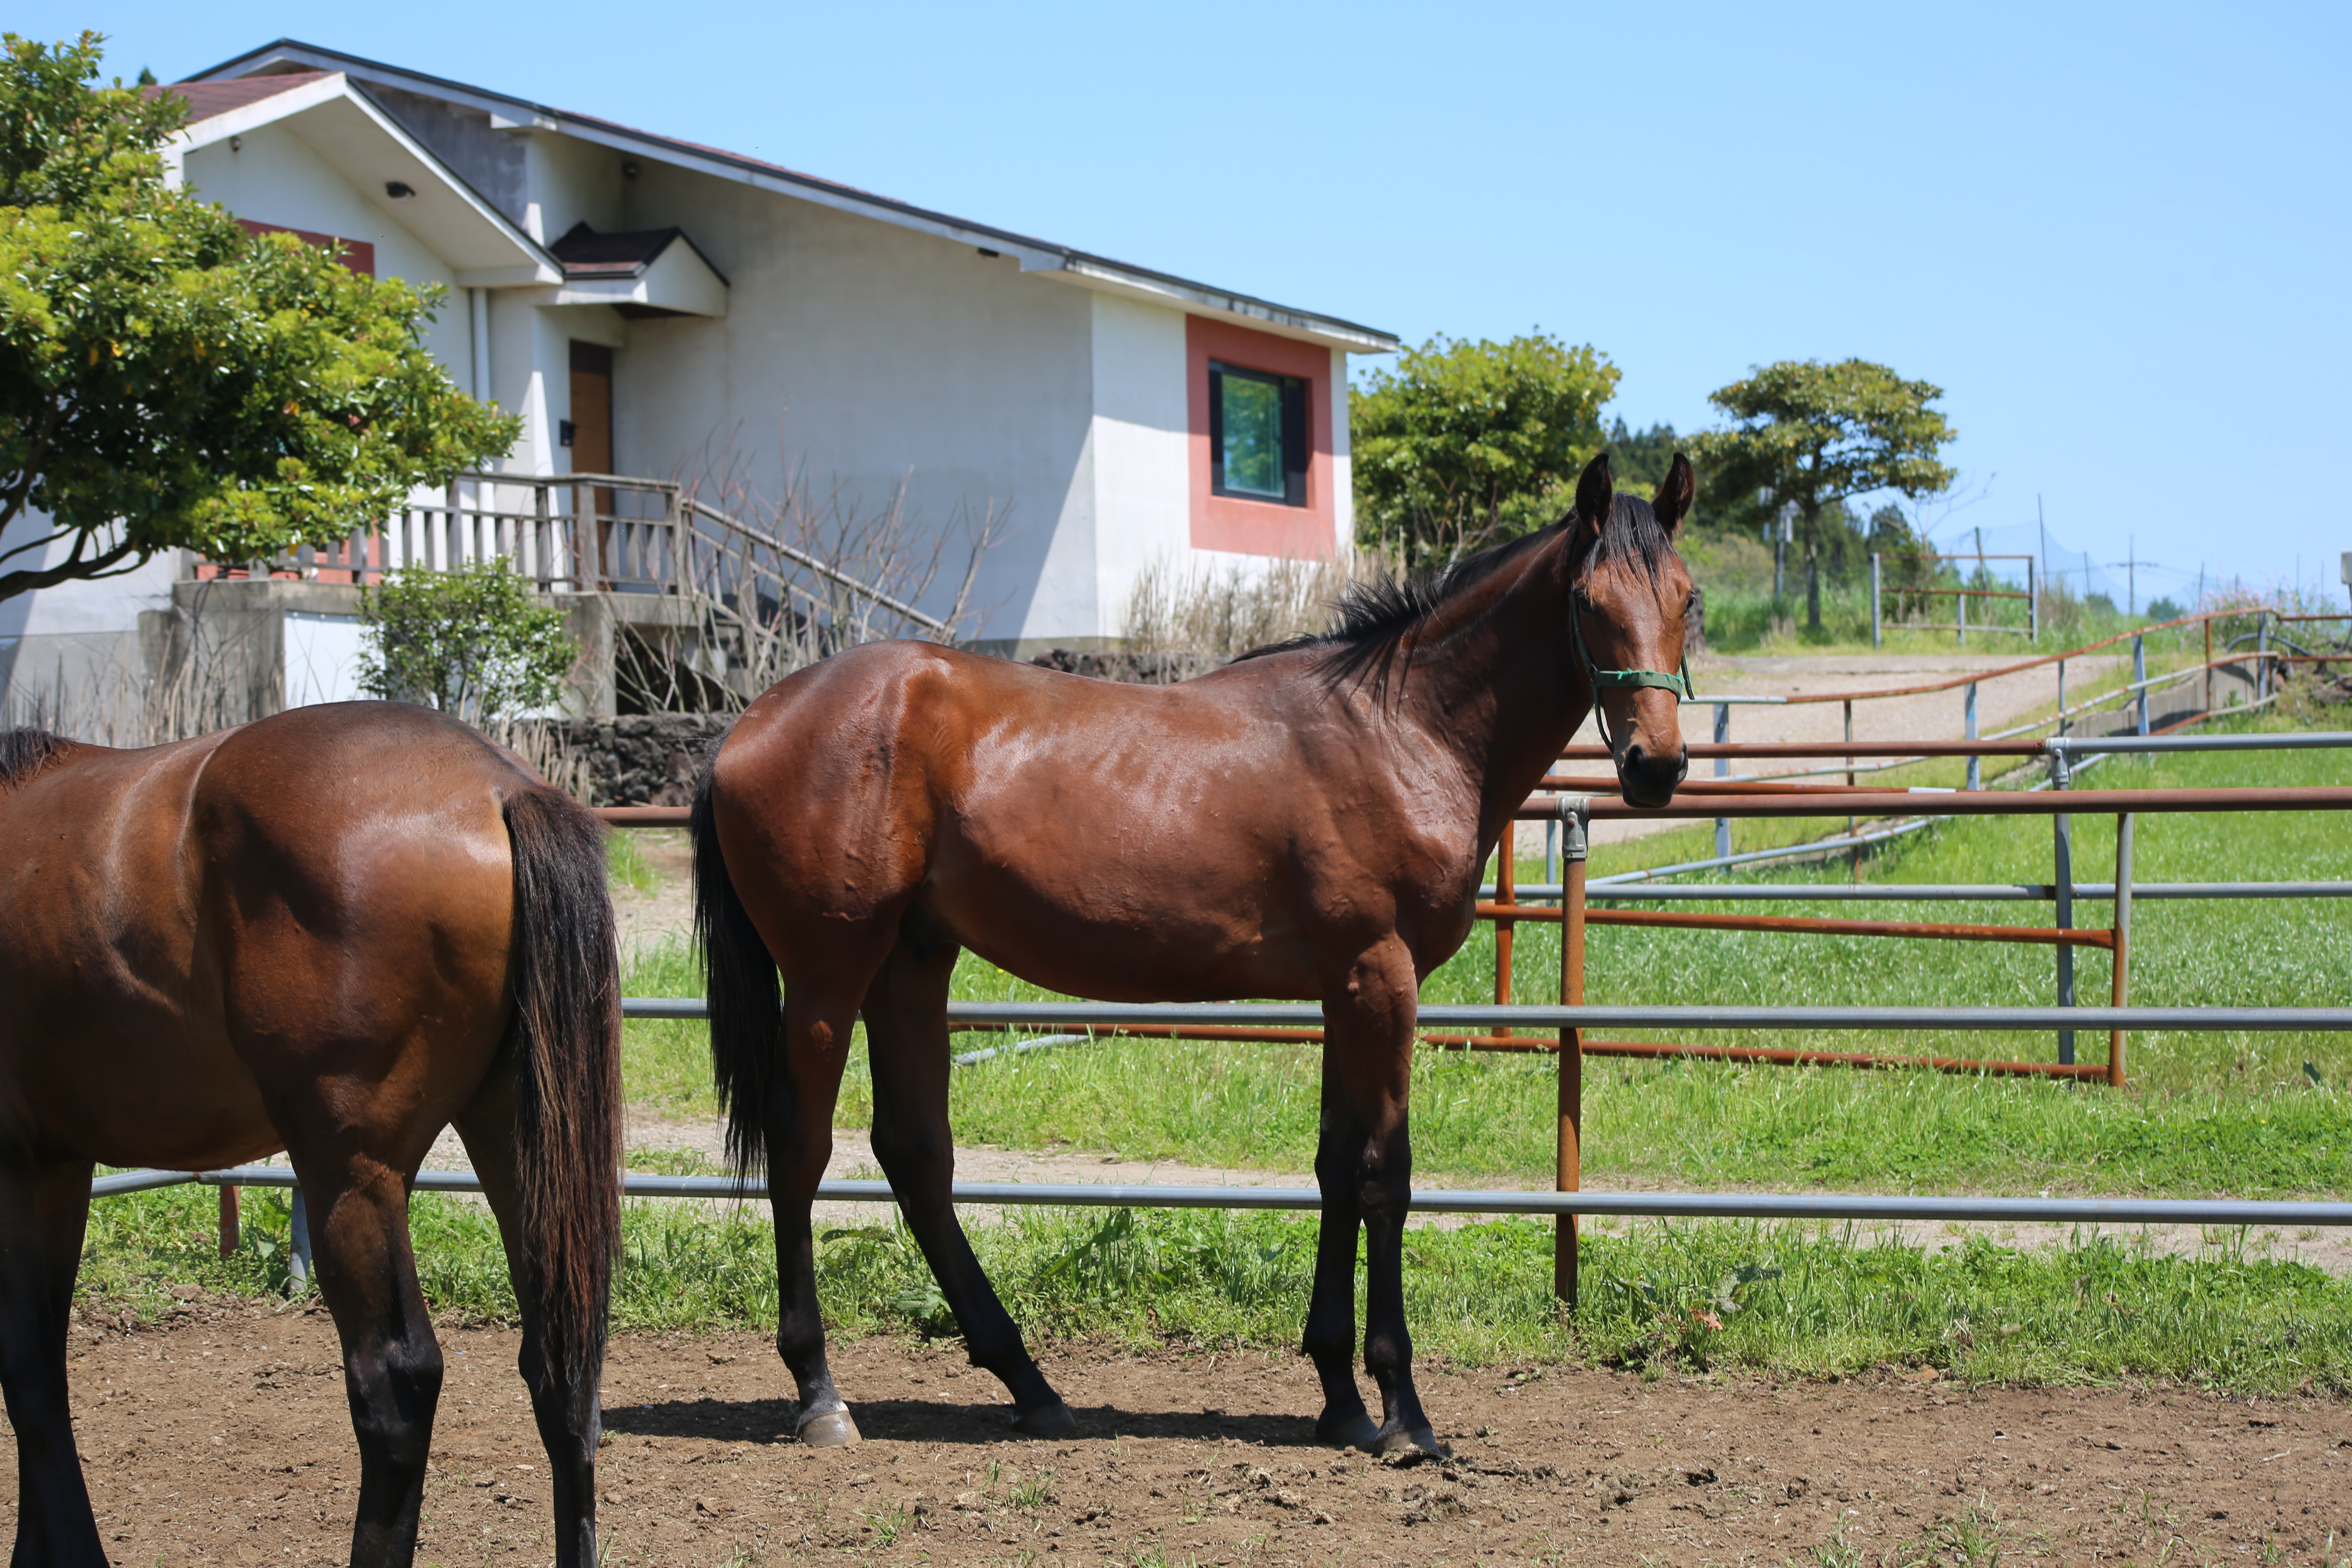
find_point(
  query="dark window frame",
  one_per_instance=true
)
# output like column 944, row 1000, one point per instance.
column 1296, row 448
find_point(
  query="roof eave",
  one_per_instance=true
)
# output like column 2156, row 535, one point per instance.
column 1035, row 254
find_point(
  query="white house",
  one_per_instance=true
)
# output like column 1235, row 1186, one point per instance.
column 655, row 307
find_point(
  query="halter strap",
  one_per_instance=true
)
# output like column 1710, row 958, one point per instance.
column 1597, row 678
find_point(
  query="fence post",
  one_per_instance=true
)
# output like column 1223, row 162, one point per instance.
column 1506, row 889
column 453, row 533
column 2139, row 675
column 1873, row 598
column 1962, row 599
column 2033, row 605
column 1569, row 1154
column 541, row 543
column 2062, row 857
column 2208, row 664
column 2120, row 989
column 298, row 1252
column 2262, row 655
column 1723, row 770
column 2062, row 697
column 1851, row 830
column 1976, row 765
column 230, row 1231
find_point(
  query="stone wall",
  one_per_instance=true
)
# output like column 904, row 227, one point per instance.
column 647, row 760
column 1129, row 669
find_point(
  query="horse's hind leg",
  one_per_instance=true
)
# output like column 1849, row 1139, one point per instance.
column 907, row 1041
column 392, row 1363
column 488, row 1126
column 798, row 1124
column 43, row 1209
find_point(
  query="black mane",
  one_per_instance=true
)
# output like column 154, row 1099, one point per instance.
column 24, row 752
column 1372, row 617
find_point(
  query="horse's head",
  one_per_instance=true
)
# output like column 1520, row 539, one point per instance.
column 1628, row 597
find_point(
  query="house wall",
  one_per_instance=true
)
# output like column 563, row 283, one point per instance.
column 869, row 357
column 272, row 177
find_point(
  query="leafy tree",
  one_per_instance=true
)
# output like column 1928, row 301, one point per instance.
column 1642, row 457
column 1806, row 435
column 167, row 380
column 2163, row 609
column 471, row 642
column 1465, row 443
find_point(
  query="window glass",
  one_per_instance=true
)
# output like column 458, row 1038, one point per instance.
column 1252, row 448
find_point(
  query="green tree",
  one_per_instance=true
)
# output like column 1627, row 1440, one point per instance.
column 167, row 380
column 471, row 642
column 1465, row 443
column 1806, row 435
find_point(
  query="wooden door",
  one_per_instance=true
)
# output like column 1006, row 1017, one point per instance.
column 591, row 447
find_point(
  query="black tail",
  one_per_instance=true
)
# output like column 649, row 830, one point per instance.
column 566, row 1039
column 746, row 995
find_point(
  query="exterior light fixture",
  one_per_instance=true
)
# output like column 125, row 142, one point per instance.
column 398, row 190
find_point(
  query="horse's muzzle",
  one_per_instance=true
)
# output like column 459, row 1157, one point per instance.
column 1649, row 778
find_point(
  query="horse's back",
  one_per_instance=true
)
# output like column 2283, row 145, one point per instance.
column 1143, row 839
column 180, row 923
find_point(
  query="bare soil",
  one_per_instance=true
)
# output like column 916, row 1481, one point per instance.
column 225, row 1438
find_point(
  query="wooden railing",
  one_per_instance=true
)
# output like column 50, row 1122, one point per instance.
column 574, row 533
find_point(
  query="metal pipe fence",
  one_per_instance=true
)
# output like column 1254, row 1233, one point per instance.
column 2214, row 1212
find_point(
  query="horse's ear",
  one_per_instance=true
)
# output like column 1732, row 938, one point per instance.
column 1677, row 491
column 1596, row 492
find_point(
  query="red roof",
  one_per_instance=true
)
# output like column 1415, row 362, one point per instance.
column 207, row 99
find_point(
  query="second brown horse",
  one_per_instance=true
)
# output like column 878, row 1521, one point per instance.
column 1308, row 822
column 334, row 932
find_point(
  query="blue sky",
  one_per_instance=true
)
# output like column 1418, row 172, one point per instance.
column 2116, row 236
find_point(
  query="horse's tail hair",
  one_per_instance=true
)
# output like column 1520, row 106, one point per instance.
column 745, row 992
column 566, row 1036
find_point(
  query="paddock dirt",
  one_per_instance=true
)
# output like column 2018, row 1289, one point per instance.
column 225, row 1438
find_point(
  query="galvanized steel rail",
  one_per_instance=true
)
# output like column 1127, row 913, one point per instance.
column 1586, row 1015
column 1676, row 1206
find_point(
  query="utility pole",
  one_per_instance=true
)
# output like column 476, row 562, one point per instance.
column 2131, row 575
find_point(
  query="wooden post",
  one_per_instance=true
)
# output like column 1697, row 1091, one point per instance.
column 1505, row 895
column 1570, row 1164
column 2120, row 990
column 228, row 1222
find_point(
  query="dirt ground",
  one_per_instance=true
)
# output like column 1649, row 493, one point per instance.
column 225, row 1438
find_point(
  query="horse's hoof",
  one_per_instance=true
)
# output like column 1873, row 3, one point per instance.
column 1409, row 1446
column 1055, row 1420
column 829, row 1429
column 1355, row 1431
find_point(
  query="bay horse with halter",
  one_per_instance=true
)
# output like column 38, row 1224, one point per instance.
column 333, row 932
column 1310, row 822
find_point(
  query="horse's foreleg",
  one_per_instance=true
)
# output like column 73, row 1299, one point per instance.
column 1369, row 1025
column 358, row 1208
column 488, row 1126
column 42, row 1208
column 906, row 1041
column 798, row 1120
column 1331, row 1337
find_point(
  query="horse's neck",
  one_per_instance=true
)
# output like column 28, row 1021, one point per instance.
column 1494, row 679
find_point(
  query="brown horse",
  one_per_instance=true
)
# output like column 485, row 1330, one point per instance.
column 1308, row 822
column 333, row 932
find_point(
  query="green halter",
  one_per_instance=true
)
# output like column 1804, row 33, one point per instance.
column 1597, row 677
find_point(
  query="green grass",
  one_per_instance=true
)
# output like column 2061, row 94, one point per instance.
column 2206, row 1114
column 1812, row 1303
